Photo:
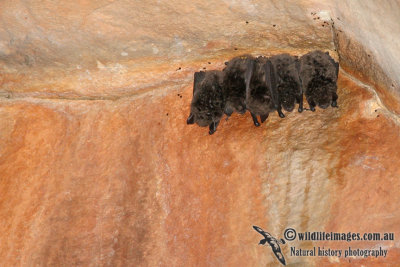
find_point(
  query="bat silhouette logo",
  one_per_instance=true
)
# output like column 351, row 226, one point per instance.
column 273, row 242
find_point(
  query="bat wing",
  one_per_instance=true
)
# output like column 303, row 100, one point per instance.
column 198, row 78
column 271, row 82
column 248, row 74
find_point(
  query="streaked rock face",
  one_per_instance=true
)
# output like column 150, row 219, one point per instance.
column 98, row 167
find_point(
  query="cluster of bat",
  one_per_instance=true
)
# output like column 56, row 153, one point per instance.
column 262, row 85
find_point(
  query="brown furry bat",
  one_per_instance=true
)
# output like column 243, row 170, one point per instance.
column 261, row 94
column 288, row 81
column 318, row 74
column 234, row 83
column 208, row 103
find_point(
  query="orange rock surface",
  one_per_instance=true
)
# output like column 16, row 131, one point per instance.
column 98, row 166
column 127, row 182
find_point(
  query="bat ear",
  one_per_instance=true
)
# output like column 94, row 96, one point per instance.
column 190, row 119
column 198, row 78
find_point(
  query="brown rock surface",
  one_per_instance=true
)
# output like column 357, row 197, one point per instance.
column 109, row 49
column 98, row 167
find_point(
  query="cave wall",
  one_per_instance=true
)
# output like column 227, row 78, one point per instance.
column 97, row 164
column 366, row 36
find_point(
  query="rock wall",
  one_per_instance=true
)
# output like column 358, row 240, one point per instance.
column 97, row 164
column 366, row 35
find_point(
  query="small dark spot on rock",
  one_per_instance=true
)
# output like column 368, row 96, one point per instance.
column 392, row 85
column 235, row 48
column 274, row 25
column 376, row 110
column 318, row 18
column 180, row 96
column 209, row 62
column 179, row 68
column 247, row 22
column 167, row 114
column 204, row 68
column 226, row 63
column 369, row 55
column 338, row 18
column 323, row 25
column 314, row 18
column 377, row 116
